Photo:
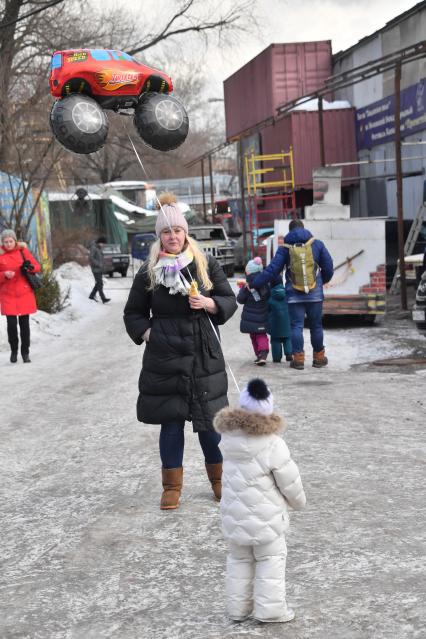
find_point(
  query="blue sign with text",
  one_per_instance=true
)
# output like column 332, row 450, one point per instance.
column 375, row 123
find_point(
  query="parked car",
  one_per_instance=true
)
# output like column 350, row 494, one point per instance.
column 419, row 308
column 87, row 81
column 115, row 261
column 141, row 244
column 214, row 241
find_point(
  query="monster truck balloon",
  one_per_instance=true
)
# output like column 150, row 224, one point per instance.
column 87, row 81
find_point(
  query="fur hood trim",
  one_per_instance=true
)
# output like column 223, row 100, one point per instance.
column 19, row 245
column 229, row 419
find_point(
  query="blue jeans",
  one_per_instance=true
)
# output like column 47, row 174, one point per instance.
column 172, row 442
column 313, row 312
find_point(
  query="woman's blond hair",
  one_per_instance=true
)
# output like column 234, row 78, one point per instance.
column 199, row 259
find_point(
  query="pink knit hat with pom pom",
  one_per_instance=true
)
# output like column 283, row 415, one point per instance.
column 169, row 214
column 254, row 266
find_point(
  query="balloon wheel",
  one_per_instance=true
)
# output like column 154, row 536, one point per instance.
column 161, row 121
column 79, row 123
column 169, row 115
column 87, row 117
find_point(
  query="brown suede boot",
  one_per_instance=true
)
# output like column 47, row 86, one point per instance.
column 172, row 486
column 298, row 361
column 214, row 473
column 320, row 359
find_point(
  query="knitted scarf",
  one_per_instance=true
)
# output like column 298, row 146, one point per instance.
column 168, row 269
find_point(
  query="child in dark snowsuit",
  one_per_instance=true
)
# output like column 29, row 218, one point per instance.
column 254, row 317
column 279, row 322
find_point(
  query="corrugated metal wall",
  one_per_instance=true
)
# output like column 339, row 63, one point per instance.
column 300, row 130
column 377, row 191
column 298, row 68
column 280, row 73
column 403, row 34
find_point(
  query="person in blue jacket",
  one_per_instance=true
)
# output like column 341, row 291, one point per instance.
column 302, row 304
column 279, row 322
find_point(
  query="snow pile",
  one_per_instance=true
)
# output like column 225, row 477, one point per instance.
column 79, row 281
column 312, row 105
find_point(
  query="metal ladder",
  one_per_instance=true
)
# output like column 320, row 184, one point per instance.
column 410, row 242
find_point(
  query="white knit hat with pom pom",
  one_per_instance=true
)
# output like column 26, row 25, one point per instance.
column 257, row 398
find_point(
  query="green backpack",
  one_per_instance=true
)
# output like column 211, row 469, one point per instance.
column 303, row 269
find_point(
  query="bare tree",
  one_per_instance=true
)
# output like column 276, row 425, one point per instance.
column 199, row 17
column 27, row 183
column 30, row 30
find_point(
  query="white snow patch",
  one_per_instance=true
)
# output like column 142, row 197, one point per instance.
column 128, row 206
column 79, row 280
column 312, row 105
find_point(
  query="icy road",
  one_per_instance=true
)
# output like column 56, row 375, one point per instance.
column 87, row 554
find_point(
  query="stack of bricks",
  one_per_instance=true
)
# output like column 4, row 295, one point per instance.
column 377, row 281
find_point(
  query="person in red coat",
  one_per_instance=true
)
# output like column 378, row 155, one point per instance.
column 17, row 299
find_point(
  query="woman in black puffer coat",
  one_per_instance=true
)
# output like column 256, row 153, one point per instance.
column 183, row 374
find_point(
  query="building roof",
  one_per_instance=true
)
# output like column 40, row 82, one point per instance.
column 129, row 184
column 389, row 25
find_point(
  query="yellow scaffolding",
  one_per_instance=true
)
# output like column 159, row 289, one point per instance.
column 268, row 199
column 256, row 166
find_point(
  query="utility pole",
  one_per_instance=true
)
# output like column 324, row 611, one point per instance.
column 211, row 186
column 321, row 130
column 243, row 199
column 203, row 191
column 400, row 212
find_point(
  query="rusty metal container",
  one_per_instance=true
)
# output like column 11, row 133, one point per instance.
column 280, row 73
column 300, row 130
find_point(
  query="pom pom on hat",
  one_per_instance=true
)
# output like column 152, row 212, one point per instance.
column 254, row 266
column 166, row 197
column 257, row 398
column 169, row 214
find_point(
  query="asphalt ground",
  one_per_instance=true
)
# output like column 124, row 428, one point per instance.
column 86, row 553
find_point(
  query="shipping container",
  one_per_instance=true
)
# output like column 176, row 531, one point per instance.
column 279, row 74
column 300, row 130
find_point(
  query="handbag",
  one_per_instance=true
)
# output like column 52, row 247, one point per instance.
column 33, row 279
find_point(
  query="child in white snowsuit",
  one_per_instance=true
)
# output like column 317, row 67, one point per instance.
column 259, row 482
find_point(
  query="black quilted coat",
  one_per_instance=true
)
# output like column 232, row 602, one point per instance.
column 254, row 317
column 183, row 371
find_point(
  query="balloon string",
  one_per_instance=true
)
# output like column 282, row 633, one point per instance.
column 218, row 339
column 146, row 175
column 190, row 275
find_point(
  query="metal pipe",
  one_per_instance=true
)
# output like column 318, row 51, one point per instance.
column 211, row 186
column 417, row 157
column 203, row 191
column 321, row 130
column 243, row 199
column 399, row 201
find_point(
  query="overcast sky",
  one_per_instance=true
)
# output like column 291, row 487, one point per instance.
column 344, row 22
